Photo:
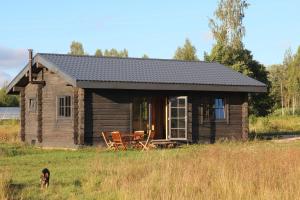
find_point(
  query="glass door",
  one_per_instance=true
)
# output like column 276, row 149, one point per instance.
column 178, row 118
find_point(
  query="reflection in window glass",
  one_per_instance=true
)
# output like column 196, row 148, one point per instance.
column 140, row 113
column 214, row 109
column 219, row 108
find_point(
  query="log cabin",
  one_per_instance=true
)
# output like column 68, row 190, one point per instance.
column 67, row 100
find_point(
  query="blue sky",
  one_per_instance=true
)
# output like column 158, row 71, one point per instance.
column 153, row 27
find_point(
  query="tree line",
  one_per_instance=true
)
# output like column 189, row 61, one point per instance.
column 285, row 79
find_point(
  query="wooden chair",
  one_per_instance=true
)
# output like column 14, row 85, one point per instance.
column 117, row 140
column 108, row 142
column 137, row 137
column 147, row 144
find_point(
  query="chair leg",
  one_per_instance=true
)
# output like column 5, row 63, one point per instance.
column 144, row 146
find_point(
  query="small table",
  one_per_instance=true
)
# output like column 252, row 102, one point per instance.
column 127, row 137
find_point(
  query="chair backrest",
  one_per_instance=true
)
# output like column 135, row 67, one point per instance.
column 138, row 135
column 105, row 138
column 150, row 136
column 116, row 136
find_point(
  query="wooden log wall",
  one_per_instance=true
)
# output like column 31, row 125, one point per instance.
column 75, row 115
column 40, row 113
column 81, row 115
column 245, row 118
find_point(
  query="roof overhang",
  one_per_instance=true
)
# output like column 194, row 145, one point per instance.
column 22, row 79
column 169, row 86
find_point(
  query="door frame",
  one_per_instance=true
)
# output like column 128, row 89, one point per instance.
column 168, row 132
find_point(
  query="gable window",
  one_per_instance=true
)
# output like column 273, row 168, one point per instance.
column 64, row 106
column 219, row 109
column 32, row 104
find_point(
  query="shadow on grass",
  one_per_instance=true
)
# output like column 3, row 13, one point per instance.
column 273, row 135
column 15, row 189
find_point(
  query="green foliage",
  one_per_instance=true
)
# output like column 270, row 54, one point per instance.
column 115, row 53
column 285, row 79
column 145, row 56
column 112, row 53
column 287, row 112
column 98, row 53
column 8, row 100
column 278, row 78
column 274, row 125
column 227, row 27
column 187, row 52
column 76, row 48
column 228, row 31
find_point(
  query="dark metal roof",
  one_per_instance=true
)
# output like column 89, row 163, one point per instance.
column 124, row 73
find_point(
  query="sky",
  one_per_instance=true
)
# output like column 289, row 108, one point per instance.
column 152, row 27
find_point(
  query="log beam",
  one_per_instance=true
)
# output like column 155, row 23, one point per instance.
column 81, row 120
column 245, row 119
column 40, row 113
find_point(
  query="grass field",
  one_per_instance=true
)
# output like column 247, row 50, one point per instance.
column 252, row 170
column 274, row 125
column 230, row 170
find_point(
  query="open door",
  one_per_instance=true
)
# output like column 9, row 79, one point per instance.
column 178, row 118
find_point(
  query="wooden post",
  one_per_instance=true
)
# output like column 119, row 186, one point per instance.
column 81, row 116
column 245, row 120
column 22, row 115
column 40, row 113
column 75, row 115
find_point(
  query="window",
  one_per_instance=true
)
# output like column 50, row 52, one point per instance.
column 214, row 109
column 219, row 109
column 64, row 106
column 140, row 115
column 32, row 105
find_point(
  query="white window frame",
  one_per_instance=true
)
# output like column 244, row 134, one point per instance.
column 58, row 116
column 170, row 118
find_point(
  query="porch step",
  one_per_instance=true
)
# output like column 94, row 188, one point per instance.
column 164, row 143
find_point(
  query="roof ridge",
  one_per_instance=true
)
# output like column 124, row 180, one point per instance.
column 128, row 58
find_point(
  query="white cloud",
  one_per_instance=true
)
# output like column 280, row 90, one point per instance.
column 12, row 58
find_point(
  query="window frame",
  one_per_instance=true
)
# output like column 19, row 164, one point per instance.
column 224, row 109
column 170, row 117
column 209, row 105
column 58, row 107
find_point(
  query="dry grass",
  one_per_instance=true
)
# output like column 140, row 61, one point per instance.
column 9, row 131
column 253, row 170
column 5, row 182
column 222, row 171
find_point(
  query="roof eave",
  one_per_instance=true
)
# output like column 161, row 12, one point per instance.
column 169, row 86
column 39, row 59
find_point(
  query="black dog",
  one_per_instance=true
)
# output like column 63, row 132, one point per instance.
column 45, row 178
